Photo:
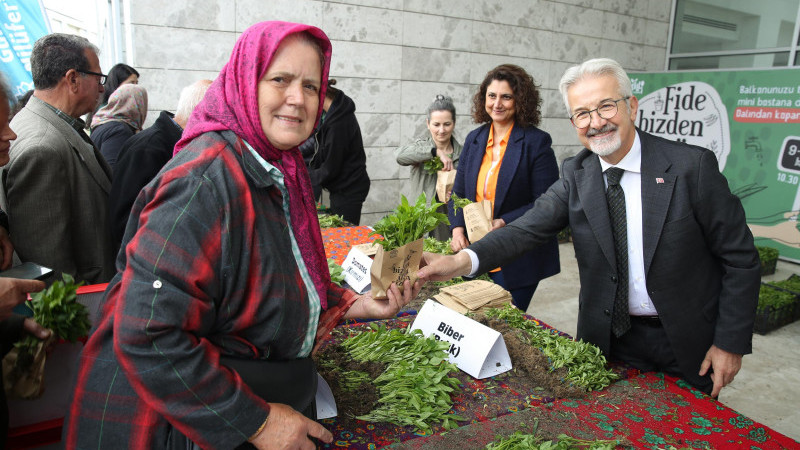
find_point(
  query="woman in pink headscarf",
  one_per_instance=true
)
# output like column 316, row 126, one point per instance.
column 222, row 287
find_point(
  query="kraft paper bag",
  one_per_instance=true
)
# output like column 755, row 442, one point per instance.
column 27, row 384
column 478, row 219
column 444, row 184
column 394, row 266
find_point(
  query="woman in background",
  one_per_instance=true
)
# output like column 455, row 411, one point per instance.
column 441, row 144
column 118, row 75
column 510, row 162
column 336, row 158
column 121, row 118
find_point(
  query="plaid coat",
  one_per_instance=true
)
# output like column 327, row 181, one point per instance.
column 207, row 269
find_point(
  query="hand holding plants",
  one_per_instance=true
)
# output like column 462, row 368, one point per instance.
column 367, row 307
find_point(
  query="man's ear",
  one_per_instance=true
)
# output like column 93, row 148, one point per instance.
column 73, row 78
column 634, row 107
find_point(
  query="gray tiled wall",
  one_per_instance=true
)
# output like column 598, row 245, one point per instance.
column 393, row 56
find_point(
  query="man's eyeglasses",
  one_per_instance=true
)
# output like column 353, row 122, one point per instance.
column 606, row 110
column 87, row 72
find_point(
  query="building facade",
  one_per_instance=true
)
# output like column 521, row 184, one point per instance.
column 393, row 56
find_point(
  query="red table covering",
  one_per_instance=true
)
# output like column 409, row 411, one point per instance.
column 338, row 241
column 649, row 410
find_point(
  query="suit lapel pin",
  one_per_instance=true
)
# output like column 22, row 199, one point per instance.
column 659, row 181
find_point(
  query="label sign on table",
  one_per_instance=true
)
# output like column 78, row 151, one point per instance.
column 356, row 270
column 475, row 348
column 326, row 404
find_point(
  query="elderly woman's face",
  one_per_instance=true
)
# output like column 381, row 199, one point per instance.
column 288, row 94
column 6, row 134
column 441, row 126
column 500, row 103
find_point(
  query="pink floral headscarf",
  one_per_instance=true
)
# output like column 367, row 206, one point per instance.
column 127, row 104
column 231, row 103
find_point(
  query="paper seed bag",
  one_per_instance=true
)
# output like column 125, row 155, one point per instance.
column 478, row 219
column 28, row 384
column 444, row 184
column 394, row 266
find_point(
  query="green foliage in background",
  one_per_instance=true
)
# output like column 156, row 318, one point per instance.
column 408, row 222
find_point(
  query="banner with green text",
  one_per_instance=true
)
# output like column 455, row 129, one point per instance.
column 751, row 120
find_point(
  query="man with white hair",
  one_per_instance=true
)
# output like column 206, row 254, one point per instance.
column 669, row 272
column 144, row 154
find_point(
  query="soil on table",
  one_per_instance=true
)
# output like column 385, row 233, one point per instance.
column 334, row 363
column 428, row 291
column 531, row 362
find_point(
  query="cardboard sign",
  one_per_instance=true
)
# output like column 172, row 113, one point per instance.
column 326, row 404
column 475, row 348
column 369, row 249
column 356, row 269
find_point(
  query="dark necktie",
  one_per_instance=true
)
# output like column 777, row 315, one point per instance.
column 620, row 320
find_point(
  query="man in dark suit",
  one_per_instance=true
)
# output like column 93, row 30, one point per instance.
column 688, row 274
column 56, row 182
column 144, row 154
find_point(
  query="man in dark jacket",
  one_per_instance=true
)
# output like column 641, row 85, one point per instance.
column 335, row 156
column 143, row 155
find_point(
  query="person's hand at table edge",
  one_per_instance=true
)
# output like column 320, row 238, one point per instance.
column 723, row 365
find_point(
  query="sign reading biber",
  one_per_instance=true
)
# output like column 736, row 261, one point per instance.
column 475, row 348
column 750, row 119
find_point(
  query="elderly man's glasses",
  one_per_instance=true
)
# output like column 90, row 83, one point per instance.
column 606, row 110
column 87, row 72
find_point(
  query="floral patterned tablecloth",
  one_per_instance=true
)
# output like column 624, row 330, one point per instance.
column 645, row 410
column 338, row 241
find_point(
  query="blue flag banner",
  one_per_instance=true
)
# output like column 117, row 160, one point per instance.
column 22, row 22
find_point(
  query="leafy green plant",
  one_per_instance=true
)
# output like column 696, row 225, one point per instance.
column 415, row 389
column 55, row 308
column 434, row 245
column 767, row 253
column 433, row 165
column 459, row 203
column 457, row 280
column 585, row 364
column 336, row 271
column 408, row 222
column 770, row 298
column 792, row 283
column 330, row 221
column 522, row 441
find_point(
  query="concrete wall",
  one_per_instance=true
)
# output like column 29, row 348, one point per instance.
column 393, row 56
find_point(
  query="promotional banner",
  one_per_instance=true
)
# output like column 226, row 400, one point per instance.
column 23, row 22
column 750, row 119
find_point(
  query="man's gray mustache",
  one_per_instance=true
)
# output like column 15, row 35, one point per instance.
column 593, row 131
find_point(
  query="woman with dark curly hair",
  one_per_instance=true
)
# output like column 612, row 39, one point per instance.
column 510, row 162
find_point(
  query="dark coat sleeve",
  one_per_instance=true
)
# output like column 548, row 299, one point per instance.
column 138, row 165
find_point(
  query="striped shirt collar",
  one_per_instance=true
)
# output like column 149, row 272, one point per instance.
column 74, row 122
